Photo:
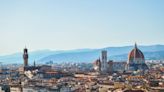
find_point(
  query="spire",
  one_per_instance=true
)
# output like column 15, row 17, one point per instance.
column 34, row 63
column 135, row 46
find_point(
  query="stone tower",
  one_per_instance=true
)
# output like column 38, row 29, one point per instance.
column 25, row 57
column 104, row 61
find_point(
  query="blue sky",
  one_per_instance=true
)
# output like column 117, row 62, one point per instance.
column 73, row 24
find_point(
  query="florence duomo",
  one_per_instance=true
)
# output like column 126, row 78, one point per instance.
column 135, row 62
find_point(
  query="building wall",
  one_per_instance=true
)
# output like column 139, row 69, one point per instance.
column 119, row 66
column 15, row 89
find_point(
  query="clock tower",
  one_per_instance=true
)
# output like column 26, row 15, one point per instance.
column 25, row 57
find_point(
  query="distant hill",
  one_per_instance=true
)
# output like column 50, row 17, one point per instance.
column 85, row 55
column 156, row 55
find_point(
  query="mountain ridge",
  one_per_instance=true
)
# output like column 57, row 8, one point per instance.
column 84, row 55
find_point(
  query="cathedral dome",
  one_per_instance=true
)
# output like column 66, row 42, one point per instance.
column 136, row 54
column 136, row 60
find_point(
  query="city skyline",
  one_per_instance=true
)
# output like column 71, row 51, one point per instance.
column 58, row 25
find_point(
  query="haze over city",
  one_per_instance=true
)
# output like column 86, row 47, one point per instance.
column 72, row 24
column 81, row 46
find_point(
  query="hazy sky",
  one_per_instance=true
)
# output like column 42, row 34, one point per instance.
column 72, row 24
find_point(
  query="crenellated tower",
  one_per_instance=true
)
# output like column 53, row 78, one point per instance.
column 25, row 57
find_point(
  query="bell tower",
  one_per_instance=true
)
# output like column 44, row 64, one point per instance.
column 25, row 57
column 104, row 61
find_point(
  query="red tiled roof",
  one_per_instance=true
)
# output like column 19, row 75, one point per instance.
column 136, row 53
